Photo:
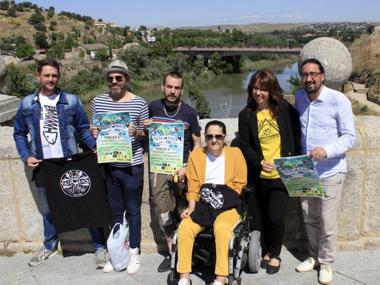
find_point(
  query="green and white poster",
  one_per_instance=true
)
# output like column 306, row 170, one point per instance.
column 114, row 142
column 165, row 147
column 299, row 176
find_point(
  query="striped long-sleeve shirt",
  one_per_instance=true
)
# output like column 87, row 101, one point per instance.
column 138, row 110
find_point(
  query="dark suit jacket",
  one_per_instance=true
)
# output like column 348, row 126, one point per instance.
column 288, row 123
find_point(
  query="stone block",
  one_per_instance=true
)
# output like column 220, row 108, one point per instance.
column 7, row 146
column 372, row 128
column 349, row 214
column 9, row 225
column 26, row 195
column 360, row 133
column 371, row 197
column 231, row 127
column 294, row 227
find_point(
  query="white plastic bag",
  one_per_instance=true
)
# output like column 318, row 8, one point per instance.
column 118, row 245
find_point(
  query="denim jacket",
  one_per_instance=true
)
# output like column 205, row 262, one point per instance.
column 73, row 125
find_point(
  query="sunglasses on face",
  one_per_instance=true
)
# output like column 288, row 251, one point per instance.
column 118, row 78
column 217, row 137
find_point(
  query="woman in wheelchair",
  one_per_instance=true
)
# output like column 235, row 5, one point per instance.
column 216, row 176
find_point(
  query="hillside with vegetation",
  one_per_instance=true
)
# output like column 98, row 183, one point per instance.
column 32, row 32
column 365, row 53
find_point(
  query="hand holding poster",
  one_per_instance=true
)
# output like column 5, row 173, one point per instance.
column 165, row 147
column 299, row 176
column 113, row 143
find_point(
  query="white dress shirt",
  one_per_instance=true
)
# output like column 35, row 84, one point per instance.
column 327, row 122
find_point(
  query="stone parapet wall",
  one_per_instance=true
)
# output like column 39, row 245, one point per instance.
column 359, row 214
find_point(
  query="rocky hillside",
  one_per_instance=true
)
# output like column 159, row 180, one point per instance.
column 365, row 53
column 366, row 63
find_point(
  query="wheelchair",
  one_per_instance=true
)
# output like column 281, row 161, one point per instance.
column 244, row 249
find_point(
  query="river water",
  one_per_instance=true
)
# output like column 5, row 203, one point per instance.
column 227, row 93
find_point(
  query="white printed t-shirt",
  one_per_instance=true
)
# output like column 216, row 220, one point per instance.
column 49, row 127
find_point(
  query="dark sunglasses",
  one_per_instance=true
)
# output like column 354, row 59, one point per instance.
column 118, row 78
column 217, row 137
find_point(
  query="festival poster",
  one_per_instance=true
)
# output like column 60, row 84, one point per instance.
column 114, row 142
column 165, row 147
column 299, row 176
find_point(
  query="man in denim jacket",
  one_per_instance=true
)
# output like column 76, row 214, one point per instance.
column 54, row 119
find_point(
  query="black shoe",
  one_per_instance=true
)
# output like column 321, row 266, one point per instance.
column 264, row 263
column 165, row 265
column 274, row 269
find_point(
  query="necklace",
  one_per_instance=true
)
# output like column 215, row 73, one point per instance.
column 175, row 114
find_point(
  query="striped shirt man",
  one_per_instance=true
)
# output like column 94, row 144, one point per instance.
column 138, row 110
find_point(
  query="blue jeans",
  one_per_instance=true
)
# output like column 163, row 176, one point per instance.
column 50, row 234
column 125, row 186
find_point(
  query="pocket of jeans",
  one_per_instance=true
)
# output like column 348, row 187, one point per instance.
column 331, row 184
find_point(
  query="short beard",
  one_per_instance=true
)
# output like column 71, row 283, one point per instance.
column 172, row 105
column 118, row 95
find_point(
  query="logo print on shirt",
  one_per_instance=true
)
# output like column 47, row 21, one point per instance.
column 75, row 183
column 214, row 198
column 267, row 130
column 50, row 127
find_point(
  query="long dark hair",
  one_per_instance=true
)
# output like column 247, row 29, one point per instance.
column 266, row 79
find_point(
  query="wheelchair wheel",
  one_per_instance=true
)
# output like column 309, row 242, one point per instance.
column 173, row 278
column 254, row 252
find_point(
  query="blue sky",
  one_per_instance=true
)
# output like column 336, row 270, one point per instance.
column 169, row 13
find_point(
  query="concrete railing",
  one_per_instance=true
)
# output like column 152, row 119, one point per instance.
column 359, row 213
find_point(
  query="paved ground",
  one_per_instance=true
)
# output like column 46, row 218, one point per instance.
column 351, row 267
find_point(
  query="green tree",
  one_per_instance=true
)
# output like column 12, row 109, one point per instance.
column 102, row 54
column 4, row 5
column 201, row 102
column 50, row 12
column 70, row 42
column 82, row 53
column 19, row 40
column 12, row 12
column 199, row 65
column 40, row 27
column 136, row 57
column 295, row 82
column 17, row 82
column 36, row 18
column 40, row 40
column 56, row 51
column 216, row 64
column 24, row 50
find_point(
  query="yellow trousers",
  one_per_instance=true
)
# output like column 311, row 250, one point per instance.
column 188, row 230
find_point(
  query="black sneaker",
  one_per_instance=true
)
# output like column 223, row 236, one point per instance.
column 165, row 265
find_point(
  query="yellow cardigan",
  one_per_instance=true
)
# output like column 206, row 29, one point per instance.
column 235, row 171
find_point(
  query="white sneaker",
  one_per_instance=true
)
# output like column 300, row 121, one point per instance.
column 100, row 258
column 308, row 265
column 134, row 263
column 325, row 274
column 108, row 267
column 184, row 281
column 42, row 255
